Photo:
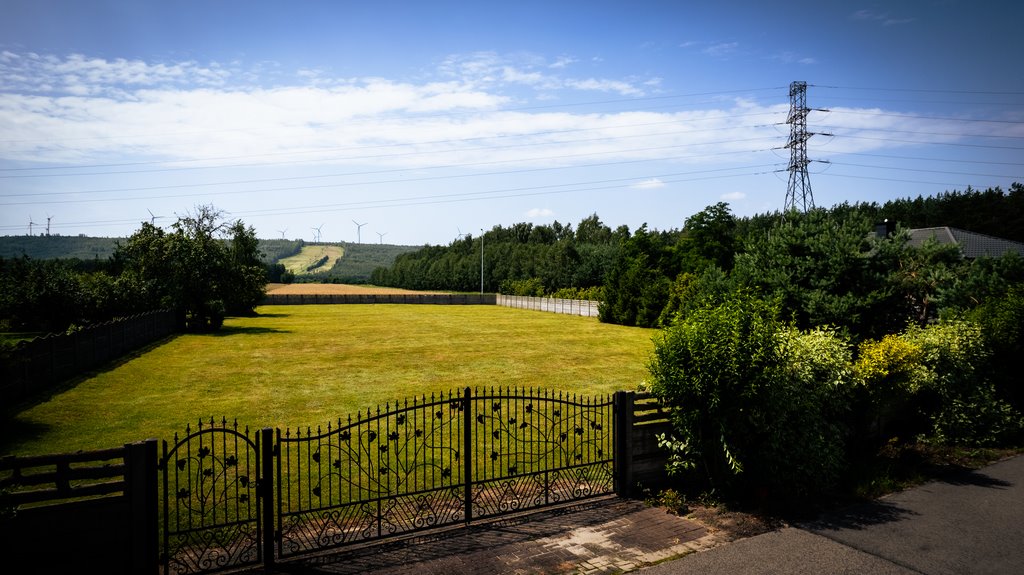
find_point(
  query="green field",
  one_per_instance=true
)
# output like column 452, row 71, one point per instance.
column 299, row 366
column 300, row 263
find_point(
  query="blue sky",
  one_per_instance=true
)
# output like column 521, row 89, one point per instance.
column 414, row 122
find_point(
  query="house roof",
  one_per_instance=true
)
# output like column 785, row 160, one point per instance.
column 972, row 244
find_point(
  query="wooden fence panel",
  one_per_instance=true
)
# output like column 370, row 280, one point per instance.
column 42, row 362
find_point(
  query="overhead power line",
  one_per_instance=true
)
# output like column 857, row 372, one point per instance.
column 525, row 191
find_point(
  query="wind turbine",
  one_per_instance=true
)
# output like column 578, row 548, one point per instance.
column 317, row 235
column 282, row 232
column 30, row 224
column 382, row 236
column 152, row 217
column 48, row 218
column 359, row 230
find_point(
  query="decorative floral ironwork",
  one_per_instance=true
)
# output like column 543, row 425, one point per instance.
column 214, row 522
column 374, row 475
column 419, row 464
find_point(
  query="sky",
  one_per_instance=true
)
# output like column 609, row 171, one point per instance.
column 418, row 122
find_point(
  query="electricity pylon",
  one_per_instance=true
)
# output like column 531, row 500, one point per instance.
column 798, row 193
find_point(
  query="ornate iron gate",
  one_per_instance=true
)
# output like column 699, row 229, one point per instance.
column 211, row 502
column 438, row 461
column 415, row 465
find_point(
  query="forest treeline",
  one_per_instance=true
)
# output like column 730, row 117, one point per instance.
column 641, row 275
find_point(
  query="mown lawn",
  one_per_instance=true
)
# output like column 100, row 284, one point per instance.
column 299, row 366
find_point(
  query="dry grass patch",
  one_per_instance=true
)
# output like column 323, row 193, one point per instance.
column 334, row 289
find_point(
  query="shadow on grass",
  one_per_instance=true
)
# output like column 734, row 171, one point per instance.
column 230, row 330
column 15, row 432
column 43, row 394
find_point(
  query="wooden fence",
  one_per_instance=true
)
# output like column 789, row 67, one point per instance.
column 96, row 509
column 37, row 364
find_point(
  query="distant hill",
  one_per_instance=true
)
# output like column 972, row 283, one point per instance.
column 355, row 265
column 58, row 247
column 88, row 248
column 358, row 262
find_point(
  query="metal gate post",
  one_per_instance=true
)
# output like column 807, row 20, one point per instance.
column 623, row 437
column 266, row 491
column 467, row 452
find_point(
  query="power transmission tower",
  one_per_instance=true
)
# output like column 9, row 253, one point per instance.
column 798, row 193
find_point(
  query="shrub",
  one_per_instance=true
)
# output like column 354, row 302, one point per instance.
column 317, row 263
column 756, row 405
column 960, row 400
column 595, row 293
column 889, row 373
column 1002, row 323
column 532, row 287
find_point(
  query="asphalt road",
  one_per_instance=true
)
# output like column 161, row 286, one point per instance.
column 967, row 524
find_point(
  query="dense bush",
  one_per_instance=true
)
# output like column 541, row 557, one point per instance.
column 532, row 287
column 593, row 293
column 1002, row 324
column 959, row 398
column 760, row 407
column 553, row 254
column 317, row 263
column 756, row 405
column 889, row 375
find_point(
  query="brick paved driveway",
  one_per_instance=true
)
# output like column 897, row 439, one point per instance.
column 609, row 535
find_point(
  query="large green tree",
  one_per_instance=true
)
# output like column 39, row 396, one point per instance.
column 203, row 268
column 826, row 271
column 709, row 238
column 638, row 283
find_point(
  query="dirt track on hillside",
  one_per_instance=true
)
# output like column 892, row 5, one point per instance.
column 331, row 289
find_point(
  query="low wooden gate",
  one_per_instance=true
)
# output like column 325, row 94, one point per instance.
column 419, row 464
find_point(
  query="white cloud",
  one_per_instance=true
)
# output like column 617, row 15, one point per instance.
column 721, row 50
column 623, row 88
column 881, row 17
column 485, row 69
column 650, row 184
column 539, row 213
column 790, row 57
column 562, row 62
column 733, row 196
column 81, row 75
column 85, row 111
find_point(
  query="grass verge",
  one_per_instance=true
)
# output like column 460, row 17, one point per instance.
column 304, row 366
